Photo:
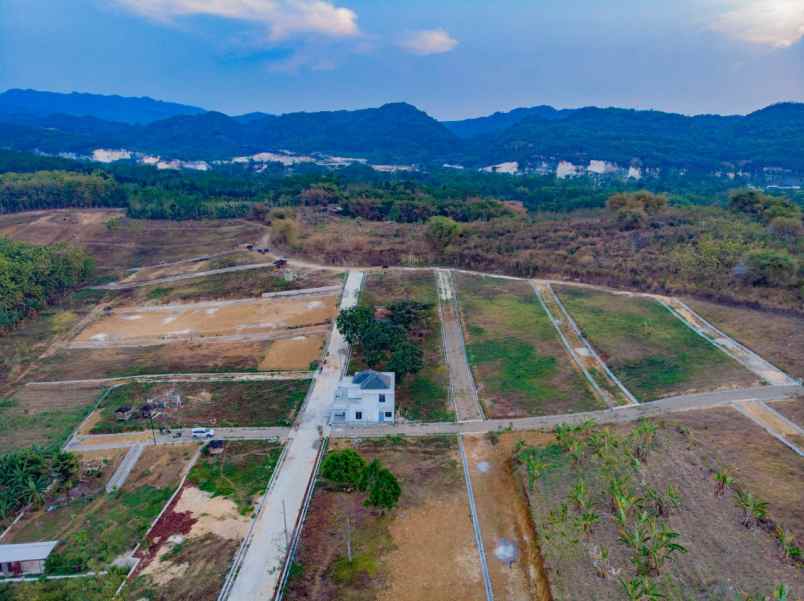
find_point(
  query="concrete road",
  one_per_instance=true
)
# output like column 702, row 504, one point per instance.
column 127, row 440
column 261, row 568
column 463, row 392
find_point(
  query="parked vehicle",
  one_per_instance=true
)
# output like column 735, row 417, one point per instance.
column 203, row 432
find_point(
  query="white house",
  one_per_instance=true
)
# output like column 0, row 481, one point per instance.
column 24, row 559
column 366, row 397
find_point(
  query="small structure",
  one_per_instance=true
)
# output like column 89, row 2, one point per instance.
column 366, row 397
column 24, row 559
column 123, row 414
column 280, row 263
column 148, row 410
column 215, row 447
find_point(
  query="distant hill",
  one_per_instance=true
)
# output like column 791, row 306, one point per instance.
column 479, row 126
column 401, row 133
column 109, row 108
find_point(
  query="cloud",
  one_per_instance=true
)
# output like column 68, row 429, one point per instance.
column 777, row 23
column 429, row 41
column 281, row 18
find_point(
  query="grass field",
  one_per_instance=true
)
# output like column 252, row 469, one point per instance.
column 597, row 510
column 422, row 549
column 653, row 353
column 95, row 529
column 176, row 357
column 40, row 416
column 423, row 396
column 97, row 588
column 767, row 334
column 222, row 404
column 515, row 353
column 211, row 515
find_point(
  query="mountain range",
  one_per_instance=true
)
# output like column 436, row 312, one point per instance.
column 772, row 137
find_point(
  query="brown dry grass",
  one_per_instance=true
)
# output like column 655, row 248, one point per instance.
column 770, row 335
column 118, row 243
column 159, row 466
column 423, row 549
column 176, row 357
column 293, row 353
column 792, row 409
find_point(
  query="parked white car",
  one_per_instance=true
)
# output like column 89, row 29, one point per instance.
column 203, row 432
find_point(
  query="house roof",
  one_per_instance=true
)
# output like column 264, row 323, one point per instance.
column 26, row 551
column 123, row 409
column 372, row 380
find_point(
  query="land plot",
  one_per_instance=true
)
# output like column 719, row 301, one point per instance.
column 509, row 536
column 422, row 549
column 96, row 528
column 652, row 352
column 792, row 409
column 20, row 347
column 187, row 405
column 190, row 549
column 253, row 316
column 175, row 357
column 299, row 352
column 100, row 588
column 222, row 286
column 770, row 335
column 596, row 509
column 37, row 416
column 230, row 259
column 423, row 396
column 515, row 352
column 119, row 243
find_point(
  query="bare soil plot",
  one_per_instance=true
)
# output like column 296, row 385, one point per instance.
column 245, row 317
column 425, row 395
column 190, row 549
column 188, row 405
column 96, row 528
column 299, row 352
column 175, row 357
column 581, row 490
column 520, row 366
column 230, row 259
column 423, row 549
column 35, row 416
column 771, row 335
column 792, row 409
column 652, row 352
column 33, row 336
column 509, row 536
column 222, row 286
column 118, row 243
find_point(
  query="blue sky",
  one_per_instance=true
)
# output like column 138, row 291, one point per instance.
column 452, row 58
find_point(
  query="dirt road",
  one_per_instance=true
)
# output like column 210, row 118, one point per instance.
column 463, row 391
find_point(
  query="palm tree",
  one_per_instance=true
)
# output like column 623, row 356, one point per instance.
column 722, row 481
column 754, row 509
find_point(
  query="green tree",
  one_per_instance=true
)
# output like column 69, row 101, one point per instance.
column 369, row 475
column 354, row 322
column 406, row 359
column 441, row 232
column 384, row 491
column 768, row 267
column 343, row 467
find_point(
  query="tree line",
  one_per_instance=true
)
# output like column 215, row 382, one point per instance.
column 33, row 276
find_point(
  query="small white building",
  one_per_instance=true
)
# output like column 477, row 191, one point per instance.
column 24, row 559
column 366, row 397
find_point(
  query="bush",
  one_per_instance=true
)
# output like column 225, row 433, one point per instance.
column 768, row 267
column 384, row 491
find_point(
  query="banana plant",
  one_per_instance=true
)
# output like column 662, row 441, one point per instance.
column 722, row 481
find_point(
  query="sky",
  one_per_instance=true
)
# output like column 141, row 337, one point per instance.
column 451, row 58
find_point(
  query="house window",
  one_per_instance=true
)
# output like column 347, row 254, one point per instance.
column 388, row 413
column 382, row 398
column 358, row 415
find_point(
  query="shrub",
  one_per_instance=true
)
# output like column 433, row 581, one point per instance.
column 384, row 491
column 768, row 267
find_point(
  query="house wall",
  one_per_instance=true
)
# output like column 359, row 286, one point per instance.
column 370, row 406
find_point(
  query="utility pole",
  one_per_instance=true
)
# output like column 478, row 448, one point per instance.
column 285, row 520
column 349, row 537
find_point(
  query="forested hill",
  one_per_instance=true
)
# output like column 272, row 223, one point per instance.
column 400, row 133
column 109, row 108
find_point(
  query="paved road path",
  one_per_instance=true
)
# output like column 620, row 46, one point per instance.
column 127, row 440
column 261, row 567
column 247, row 376
column 463, row 391
column 120, row 475
column 624, row 413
